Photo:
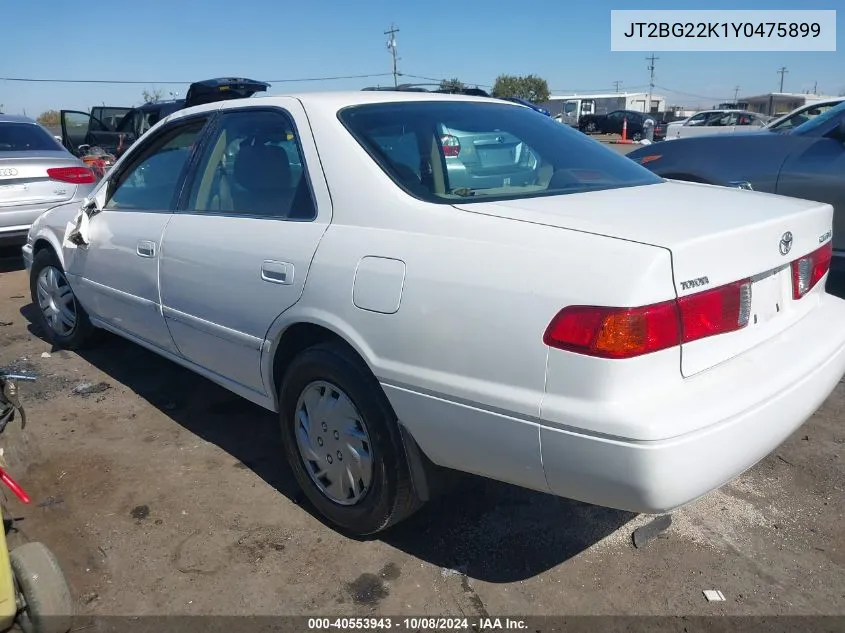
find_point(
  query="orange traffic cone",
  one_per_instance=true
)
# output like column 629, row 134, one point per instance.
column 625, row 129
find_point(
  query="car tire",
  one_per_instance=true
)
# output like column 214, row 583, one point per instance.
column 47, row 281
column 334, row 372
column 49, row 605
column 637, row 136
column 590, row 128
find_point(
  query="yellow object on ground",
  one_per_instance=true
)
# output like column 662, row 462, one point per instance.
column 8, row 604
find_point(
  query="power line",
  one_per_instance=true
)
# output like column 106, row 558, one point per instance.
column 391, row 46
column 173, row 83
column 782, row 71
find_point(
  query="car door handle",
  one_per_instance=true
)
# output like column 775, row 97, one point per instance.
column 277, row 272
column 146, row 248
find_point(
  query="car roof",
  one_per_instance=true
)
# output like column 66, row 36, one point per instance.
column 16, row 118
column 338, row 100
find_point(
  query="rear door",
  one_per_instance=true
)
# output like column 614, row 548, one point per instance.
column 613, row 122
column 237, row 253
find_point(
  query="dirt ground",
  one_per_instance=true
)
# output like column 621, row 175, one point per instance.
column 164, row 494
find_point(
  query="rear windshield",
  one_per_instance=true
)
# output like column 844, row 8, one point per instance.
column 26, row 137
column 452, row 152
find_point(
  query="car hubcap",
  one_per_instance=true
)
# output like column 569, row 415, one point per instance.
column 333, row 443
column 56, row 301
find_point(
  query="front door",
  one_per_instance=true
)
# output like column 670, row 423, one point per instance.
column 116, row 273
column 237, row 252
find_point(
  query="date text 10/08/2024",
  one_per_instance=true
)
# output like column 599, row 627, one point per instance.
column 418, row 624
column 723, row 29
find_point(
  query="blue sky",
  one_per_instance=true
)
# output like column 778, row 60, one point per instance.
column 183, row 40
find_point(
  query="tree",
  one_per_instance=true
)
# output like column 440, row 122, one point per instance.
column 530, row 87
column 151, row 96
column 452, row 84
column 50, row 118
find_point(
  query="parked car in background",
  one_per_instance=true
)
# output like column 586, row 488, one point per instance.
column 613, row 122
column 699, row 118
column 728, row 122
column 528, row 104
column 36, row 173
column 801, row 115
column 399, row 322
column 114, row 129
column 807, row 161
column 662, row 122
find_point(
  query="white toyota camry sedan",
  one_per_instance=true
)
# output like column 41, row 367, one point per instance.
column 424, row 281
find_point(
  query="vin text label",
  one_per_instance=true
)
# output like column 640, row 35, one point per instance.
column 723, row 30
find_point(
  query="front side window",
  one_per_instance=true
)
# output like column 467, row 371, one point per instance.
column 253, row 167
column 452, row 152
column 151, row 182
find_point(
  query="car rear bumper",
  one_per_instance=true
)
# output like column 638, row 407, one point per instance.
column 15, row 221
column 792, row 376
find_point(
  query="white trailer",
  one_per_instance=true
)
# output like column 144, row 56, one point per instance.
column 570, row 108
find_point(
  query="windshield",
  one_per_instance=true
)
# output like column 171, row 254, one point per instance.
column 815, row 123
column 26, row 137
column 486, row 152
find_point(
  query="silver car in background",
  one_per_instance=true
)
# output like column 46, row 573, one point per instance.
column 36, row 173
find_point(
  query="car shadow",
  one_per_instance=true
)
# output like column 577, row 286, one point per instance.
column 10, row 259
column 484, row 529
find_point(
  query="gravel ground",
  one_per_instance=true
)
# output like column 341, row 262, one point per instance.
column 164, row 494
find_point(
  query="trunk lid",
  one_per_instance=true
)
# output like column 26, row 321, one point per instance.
column 24, row 180
column 716, row 236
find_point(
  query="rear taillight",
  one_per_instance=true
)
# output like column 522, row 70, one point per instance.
column 72, row 175
column 451, row 145
column 717, row 311
column 614, row 332
column 807, row 271
column 606, row 332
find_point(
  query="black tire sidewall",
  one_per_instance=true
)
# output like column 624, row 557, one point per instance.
column 40, row 261
column 338, row 366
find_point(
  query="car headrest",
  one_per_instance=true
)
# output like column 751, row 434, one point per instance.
column 262, row 168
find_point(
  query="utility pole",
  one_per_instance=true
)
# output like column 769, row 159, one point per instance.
column 815, row 87
column 736, row 94
column 391, row 46
column 782, row 71
column 651, row 61
column 616, row 84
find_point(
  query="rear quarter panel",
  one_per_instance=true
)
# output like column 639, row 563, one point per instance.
column 462, row 359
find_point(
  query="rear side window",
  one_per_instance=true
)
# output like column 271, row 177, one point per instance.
column 253, row 167
column 450, row 152
column 26, row 137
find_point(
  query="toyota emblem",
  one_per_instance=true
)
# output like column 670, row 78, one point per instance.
column 8, row 171
column 786, row 243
